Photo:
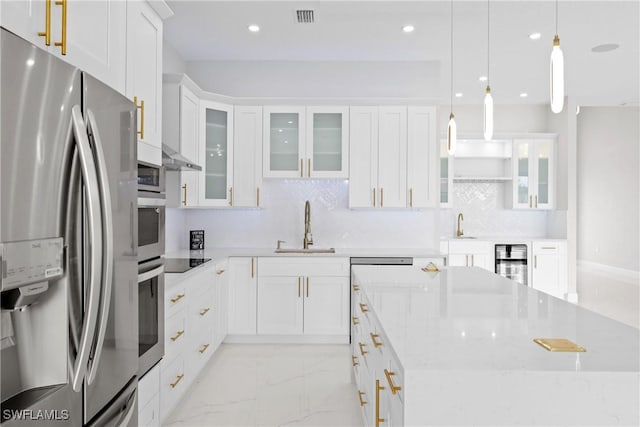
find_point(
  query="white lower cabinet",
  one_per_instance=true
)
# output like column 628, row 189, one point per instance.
column 221, row 303
column 549, row 267
column 470, row 254
column 242, row 295
column 302, row 296
column 149, row 398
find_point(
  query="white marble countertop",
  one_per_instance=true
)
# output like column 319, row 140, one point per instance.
column 216, row 253
column 468, row 319
column 501, row 239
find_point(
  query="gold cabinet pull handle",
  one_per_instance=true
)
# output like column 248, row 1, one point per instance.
column 378, row 389
column 184, row 194
column 298, row 286
column 355, row 320
column 252, row 267
column 363, row 307
column 230, row 196
column 535, row 261
column 374, row 197
column 356, row 287
column 178, row 379
column 219, row 272
column 307, row 286
column 548, row 247
column 411, row 197
column 394, row 388
column 62, row 44
column 301, row 168
column 177, row 298
column 530, row 202
column 535, row 198
column 374, row 338
column 47, row 24
column 354, row 360
column 362, row 346
column 177, row 335
column 382, row 197
column 258, row 197
column 205, row 311
column 362, row 401
column 141, row 108
column 309, row 168
column 204, row 348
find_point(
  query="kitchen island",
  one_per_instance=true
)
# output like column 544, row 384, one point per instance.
column 456, row 347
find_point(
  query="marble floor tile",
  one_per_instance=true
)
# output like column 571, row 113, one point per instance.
column 272, row 385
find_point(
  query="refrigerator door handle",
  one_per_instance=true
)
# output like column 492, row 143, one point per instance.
column 94, row 218
column 107, row 235
column 126, row 418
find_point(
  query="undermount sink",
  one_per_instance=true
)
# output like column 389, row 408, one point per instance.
column 306, row 251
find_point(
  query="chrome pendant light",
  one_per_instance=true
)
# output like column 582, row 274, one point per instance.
column 556, row 71
column 488, row 99
column 451, row 128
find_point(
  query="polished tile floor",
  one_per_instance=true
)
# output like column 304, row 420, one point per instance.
column 272, row 385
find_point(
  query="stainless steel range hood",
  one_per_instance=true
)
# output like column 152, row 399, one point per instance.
column 174, row 161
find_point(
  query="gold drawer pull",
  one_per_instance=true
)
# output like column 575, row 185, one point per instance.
column 362, row 348
column 394, row 388
column 356, row 287
column 205, row 311
column 47, row 22
column 177, row 298
column 374, row 197
column 178, row 379
column 62, row 44
column 204, row 348
column 356, row 321
column 548, row 247
column 184, row 195
column 141, row 108
column 354, row 360
column 378, row 389
column 177, row 335
column 376, row 344
column 219, row 272
column 362, row 401
column 301, row 168
column 363, row 307
column 411, row 197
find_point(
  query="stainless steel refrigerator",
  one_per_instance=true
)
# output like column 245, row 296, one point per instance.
column 68, row 244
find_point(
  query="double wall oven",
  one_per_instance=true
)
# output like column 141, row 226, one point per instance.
column 151, row 217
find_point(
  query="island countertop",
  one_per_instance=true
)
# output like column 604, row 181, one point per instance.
column 463, row 343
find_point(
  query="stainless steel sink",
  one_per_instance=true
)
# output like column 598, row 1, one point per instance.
column 306, row 251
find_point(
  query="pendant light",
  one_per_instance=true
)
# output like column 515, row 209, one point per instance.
column 556, row 71
column 451, row 128
column 488, row 99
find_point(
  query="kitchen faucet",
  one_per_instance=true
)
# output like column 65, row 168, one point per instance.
column 308, row 238
column 459, row 231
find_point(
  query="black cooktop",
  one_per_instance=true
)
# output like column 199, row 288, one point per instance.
column 180, row 265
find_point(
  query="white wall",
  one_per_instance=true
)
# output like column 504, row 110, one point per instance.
column 609, row 186
column 281, row 217
column 172, row 62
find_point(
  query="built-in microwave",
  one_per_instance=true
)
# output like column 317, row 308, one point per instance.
column 150, row 314
column 150, row 178
column 151, row 216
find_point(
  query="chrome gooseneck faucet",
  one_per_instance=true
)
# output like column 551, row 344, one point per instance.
column 308, row 238
column 459, row 231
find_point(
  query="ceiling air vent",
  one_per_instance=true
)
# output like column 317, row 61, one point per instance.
column 305, row 16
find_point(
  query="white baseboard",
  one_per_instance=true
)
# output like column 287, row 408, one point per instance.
column 621, row 274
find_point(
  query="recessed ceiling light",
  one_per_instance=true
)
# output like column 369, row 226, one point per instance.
column 524, row 95
column 534, row 36
column 459, row 95
column 253, row 28
column 483, row 78
column 408, row 28
column 607, row 47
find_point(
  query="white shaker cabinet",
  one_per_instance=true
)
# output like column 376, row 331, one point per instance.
column 533, row 174
column 247, row 156
column 149, row 398
column 549, row 267
column 422, row 157
column 284, row 142
column 222, row 302
column 180, row 130
column 280, row 305
column 27, row 19
column 466, row 253
column 327, row 142
column 242, row 295
column 144, row 76
column 215, row 185
column 363, row 157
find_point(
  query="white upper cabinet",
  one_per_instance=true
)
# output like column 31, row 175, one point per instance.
column 247, row 156
column 215, row 187
column 88, row 34
column 144, row 76
column 309, row 142
column 284, row 142
column 327, row 142
column 422, row 157
column 363, row 157
column 392, row 157
column 533, row 174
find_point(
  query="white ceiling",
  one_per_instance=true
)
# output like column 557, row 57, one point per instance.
column 359, row 30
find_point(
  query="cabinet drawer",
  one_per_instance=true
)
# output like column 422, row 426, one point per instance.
column 202, row 310
column 204, row 281
column 303, row 266
column 546, row 248
column 148, row 386
column 172, row 385
column 175, row 298
column 467, row 247
column 175, row 334
column 149, row 415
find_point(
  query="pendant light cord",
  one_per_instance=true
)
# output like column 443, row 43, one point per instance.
column 451, row 93
column 556, row 17
column 488, row 45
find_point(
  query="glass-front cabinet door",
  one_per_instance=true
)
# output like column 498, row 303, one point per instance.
column 284, row 142
column 327, row 148
column 533, row 180
column 216, row 154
